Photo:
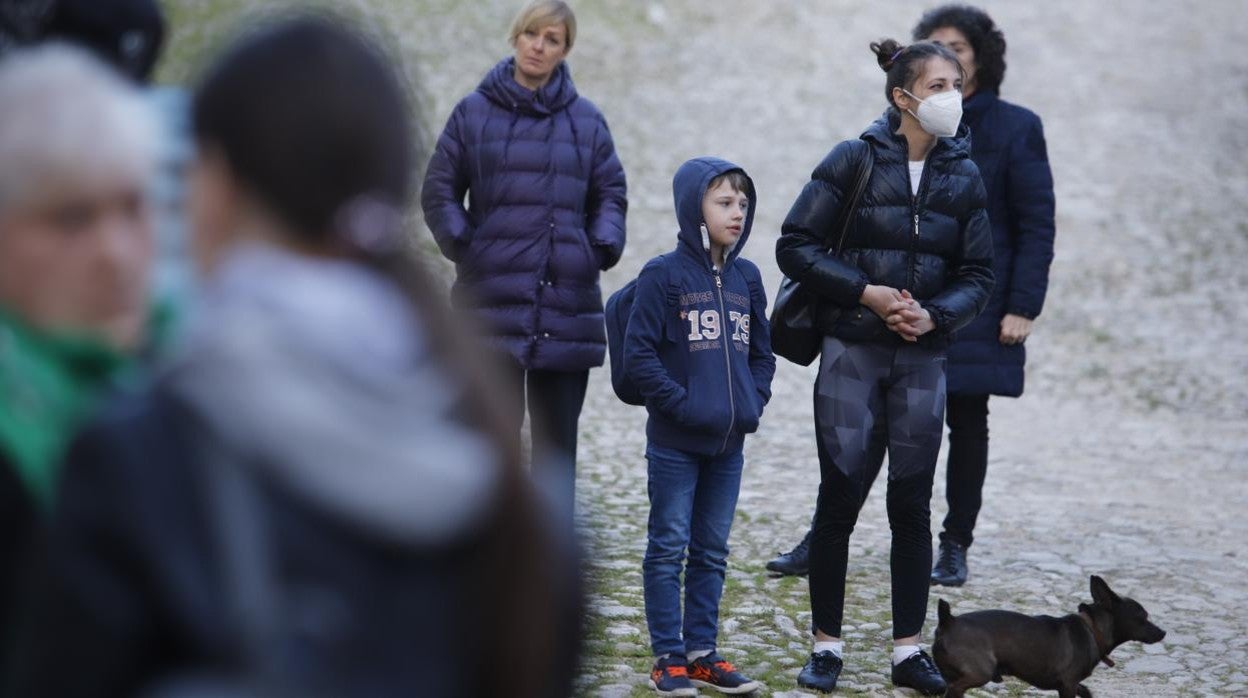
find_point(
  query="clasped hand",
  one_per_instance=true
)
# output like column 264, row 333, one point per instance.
column 899, row 310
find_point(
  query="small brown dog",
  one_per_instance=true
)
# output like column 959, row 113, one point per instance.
column 1046, row 652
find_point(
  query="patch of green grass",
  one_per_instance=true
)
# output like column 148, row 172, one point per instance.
column 196, row 30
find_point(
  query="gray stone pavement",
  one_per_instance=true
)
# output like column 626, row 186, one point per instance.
column 1071, row 492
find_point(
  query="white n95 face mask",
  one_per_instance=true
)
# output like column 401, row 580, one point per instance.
column 940, row 114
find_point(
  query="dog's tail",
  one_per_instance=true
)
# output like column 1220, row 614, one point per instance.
column 943, row 614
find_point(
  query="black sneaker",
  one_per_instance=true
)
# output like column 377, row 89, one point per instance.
column 821, row 672
column 795, row 563
column 920, row 673
column 669, row 677
column 950, row 568
column 713, row 671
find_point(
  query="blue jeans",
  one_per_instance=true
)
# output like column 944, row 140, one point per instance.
column 692, row 501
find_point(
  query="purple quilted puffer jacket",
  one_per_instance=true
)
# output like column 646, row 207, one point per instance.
column 545, row 214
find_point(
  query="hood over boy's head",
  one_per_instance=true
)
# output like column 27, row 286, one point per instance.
column 689, row 187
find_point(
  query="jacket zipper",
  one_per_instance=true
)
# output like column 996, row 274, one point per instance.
column 913, row 240
column 914, row 211
column 724, row 339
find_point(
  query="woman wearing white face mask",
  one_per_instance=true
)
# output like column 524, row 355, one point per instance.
column 915, row 264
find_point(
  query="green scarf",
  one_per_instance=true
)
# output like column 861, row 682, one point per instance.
column 49, row 382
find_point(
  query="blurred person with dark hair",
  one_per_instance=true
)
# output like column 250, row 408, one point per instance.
column 987, row 359
column 78, row 147
column 319, row 495
column 546, row 202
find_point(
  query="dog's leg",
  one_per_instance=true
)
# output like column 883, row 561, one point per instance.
column 1083, row 691
column 957, row 688
column 1068, row 691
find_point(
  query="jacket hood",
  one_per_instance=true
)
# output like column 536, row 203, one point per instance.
column 500, row 86
column 688, row 187
column 315, row 373
column 883, row 133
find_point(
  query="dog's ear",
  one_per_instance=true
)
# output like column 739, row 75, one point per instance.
column 1101, row 593
column 944, row 614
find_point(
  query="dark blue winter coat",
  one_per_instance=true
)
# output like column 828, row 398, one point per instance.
column 697, row 344
column 545, row 213
column 1007, row 143
column 936, row 245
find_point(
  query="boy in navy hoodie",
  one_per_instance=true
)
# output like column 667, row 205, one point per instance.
column 698, row 348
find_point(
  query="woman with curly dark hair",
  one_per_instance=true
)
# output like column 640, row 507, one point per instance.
column 1008, row 145
column 974, row 38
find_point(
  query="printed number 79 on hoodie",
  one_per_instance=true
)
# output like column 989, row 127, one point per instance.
column 706, row 325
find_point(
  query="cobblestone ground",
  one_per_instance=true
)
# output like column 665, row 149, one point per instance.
column 1127, row 456
column 1086, row 492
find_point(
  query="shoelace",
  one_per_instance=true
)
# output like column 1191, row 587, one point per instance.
column 676, row 670
column 927, row 663
column 951, row 558
column 724, row 666
column 712, row 662
column 823, row 662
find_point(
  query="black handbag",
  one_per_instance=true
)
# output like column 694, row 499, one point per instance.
column 794, row 334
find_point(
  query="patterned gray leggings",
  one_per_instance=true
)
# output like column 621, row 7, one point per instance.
column 859, row 384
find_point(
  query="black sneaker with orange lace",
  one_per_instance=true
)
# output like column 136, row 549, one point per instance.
column 670, row 677
column 713, row 671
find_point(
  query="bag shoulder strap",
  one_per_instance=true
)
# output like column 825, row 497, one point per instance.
column 673, row 289
column 754, row 282
column 845, row 216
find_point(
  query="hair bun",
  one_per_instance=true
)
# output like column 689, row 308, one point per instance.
column 886, row 52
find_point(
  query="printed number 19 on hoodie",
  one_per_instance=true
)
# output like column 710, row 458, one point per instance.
column 706, row 325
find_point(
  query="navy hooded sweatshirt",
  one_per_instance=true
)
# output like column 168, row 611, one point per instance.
column 697, row 344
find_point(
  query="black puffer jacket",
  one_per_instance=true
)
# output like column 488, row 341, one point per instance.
column 937, row 245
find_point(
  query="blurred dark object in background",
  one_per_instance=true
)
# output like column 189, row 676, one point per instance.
column 127, row 34
column 23, row 22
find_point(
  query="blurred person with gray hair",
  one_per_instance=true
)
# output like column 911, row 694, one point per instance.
column 128, row 35
column 78, row 147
